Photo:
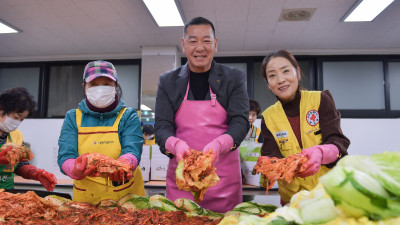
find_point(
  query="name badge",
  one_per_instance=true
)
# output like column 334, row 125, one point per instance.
column 282, row 134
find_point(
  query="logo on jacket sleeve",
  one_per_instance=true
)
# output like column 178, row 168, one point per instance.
column 312, row 117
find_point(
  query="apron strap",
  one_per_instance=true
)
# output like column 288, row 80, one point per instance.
column 9, row 137
column 78, row 117
column 121, row 113
column 253, row 131
column 213, row 97
column 187, row 91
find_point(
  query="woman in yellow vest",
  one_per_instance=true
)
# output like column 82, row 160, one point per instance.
column 305, row 122
column 15, row 105
column 103, row 124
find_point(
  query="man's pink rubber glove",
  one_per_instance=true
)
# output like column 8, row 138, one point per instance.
column 317, row 155
column 177, row 147
column 76, row 168
column 221, row 144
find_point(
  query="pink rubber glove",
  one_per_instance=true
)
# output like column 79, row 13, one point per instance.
column 76, row 168
column 68, row 168
column 179, row 148
column 221, row 144
column 317, row 155
column 121, row 175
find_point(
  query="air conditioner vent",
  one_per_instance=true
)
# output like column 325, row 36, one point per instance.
column 296, row 14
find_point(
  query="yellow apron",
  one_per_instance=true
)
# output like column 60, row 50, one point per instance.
column 103, row 140
column 277, row 122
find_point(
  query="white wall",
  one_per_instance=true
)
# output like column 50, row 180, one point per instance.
column 367, row 136
column 370, row 136
column 42, row 135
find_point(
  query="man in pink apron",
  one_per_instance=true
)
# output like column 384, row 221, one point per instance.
column 203, row 105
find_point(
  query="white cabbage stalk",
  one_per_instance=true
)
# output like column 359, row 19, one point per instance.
column 252, row 220
column 289, row 214
column 384, row 167
column 162, row 203
column 358, row 194
column 315, row 206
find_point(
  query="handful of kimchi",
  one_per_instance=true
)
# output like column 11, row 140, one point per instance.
column 17, row 154
column 272, row 168
column 105, row 165
column 196, row 173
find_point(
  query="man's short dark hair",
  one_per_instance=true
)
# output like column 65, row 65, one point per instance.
column 198, row 21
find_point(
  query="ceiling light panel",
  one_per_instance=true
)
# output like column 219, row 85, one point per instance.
column 367, row 10
column 164, row 12
column 5, row 28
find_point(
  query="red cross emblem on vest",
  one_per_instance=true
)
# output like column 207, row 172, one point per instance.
column 312, row 117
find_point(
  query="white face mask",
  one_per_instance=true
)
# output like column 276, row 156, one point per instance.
column 101, row 96
column 9, row 124
column 148, row 137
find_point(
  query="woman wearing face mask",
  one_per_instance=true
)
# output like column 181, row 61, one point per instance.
column 15, row 105
column 305, row 122
column 103, row 124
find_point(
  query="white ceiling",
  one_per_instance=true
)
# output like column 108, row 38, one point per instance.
column 78, row 29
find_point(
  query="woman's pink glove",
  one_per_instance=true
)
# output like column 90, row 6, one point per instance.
column 179, row 148
column 121, row 175
column 221, row 144
column 317, row 155
column 76, row 168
